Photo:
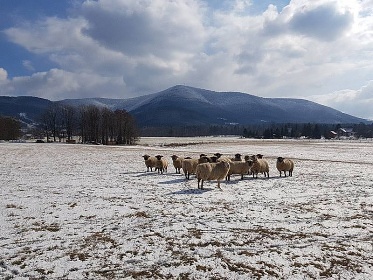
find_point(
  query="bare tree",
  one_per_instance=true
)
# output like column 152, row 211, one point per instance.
column 69, row 120
column 49, row 121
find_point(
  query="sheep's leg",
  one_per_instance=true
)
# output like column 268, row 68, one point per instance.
column 200, row 187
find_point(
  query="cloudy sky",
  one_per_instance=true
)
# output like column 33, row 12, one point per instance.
column 320, row 50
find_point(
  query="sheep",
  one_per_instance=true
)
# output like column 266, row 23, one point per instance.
column 149, row 162
column 239, row 167
column 189, row 166
column 177, row 161
column 259, row 165
column 285, row 164
column 212, row 171
column 161, row 164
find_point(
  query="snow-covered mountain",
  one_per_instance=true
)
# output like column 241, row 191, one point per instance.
column 184, row 105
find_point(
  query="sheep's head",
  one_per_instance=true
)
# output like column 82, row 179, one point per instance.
column 280, row 159
column 146, row 157
column 158, row 157
column 214, row 159
column 238, row 156
column 187, row 158
column 247, row 158
column 174, row 157
column 218, row 155
column 249, row 162
column 259, row 155
column 204, row 159
column 202, row 155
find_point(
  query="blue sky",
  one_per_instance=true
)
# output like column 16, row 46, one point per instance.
column 320, row 50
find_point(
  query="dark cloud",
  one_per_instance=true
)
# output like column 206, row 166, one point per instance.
column 323, row 22
column 130, row 33
column 134, row 31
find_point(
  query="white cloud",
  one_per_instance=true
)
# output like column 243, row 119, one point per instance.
column 3, row 75
column 58, row 84
column 356, row 102
column 28, row 65
column 126, row 48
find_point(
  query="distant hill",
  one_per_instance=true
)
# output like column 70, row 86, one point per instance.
column 183, row 105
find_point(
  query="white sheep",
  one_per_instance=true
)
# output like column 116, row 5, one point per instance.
column 285, row 164
column 259, row 165
column 239, row 167
column 177, row 162
column 212, row 171
column 161, row 164
column 149, row 162
column 189, row 166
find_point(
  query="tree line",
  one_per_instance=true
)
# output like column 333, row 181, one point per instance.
column 94, row 124
column 262, row 131
column 307, row 130
column 91, row 123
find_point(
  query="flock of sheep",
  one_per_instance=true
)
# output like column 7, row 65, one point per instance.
column 217, row 167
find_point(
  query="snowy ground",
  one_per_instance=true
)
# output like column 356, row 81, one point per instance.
column 92, row 212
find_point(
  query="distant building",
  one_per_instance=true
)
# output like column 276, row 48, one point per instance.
column 345, row 132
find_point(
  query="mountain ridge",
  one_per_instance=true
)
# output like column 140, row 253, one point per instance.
column 185, row 105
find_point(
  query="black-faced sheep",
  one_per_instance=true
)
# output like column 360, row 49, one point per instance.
column 177, row 162
column 237, row 157
column 219, row 158
column 212, row 171
column 239, row 167
column 259, row 165
column 189, row 166
column 149, row 162
column 285, row 164
column 161, row 164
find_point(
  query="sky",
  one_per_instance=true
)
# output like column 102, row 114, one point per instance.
column 319, row 50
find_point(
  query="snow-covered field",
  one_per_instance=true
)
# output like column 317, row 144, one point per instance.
column 92, row 212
